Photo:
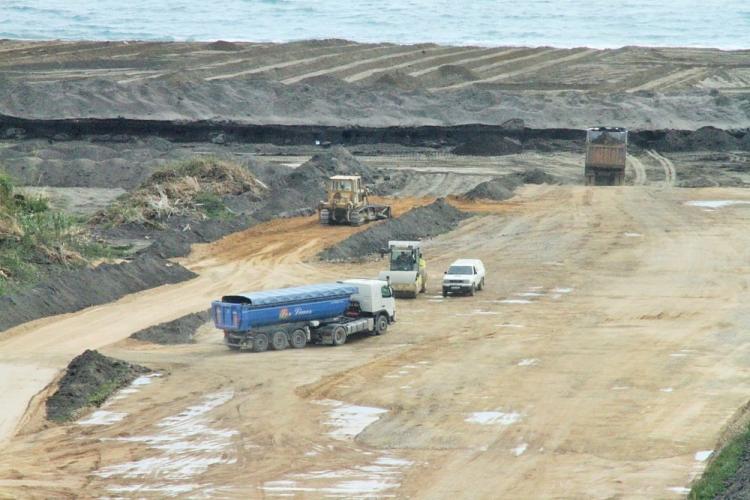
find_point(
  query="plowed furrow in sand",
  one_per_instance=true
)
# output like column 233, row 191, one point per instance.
column 397, row 54
column 294, row 62
column 465, row 61
column 445, row 54
column 528, row 69
column 672, row 78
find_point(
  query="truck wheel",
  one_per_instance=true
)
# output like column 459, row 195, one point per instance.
column 278, row 341
column 260, row 342
column 481, row 285
column 339, row 335
column 299, row 339
column 445, row 292
column 381, row 324
column 472, row 290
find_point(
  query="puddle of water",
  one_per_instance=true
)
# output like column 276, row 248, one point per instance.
column 479, row 312
column 620, row 388
column 391, row 376
column 681, row 490
column 423, row 362
column 162, row 489
column 188, row 446
column 103, row 417
column 714, row 204
column 702, row 456
column 347, row 421
column 666, row 389
column 632, row 235
column 515, row 301
column 520, row 449
column 372, row 480
column 678, row 355
column 528, row 362
column 562, row 289
column 530, row 294
column 493, row 417
column 509, row 325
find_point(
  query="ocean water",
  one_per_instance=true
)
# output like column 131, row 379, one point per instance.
column 562, row 23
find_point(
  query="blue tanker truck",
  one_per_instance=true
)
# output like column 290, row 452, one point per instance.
column 322, row 314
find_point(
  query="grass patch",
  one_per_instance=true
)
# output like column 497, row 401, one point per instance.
column 35, row 239
column 721, row 469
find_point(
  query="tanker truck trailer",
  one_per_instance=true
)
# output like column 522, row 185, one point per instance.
column 325, row 313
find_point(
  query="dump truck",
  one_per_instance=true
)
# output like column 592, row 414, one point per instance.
column 347, row 203
column 407, row 273
column 606, row 155
column 325, row 313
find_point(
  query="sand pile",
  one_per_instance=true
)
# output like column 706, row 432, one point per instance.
column 489, row 146
column 180, row 331
column 502, row 188
column 397, row 80
column 88, row 381
column 449, row 74
column 416, row 224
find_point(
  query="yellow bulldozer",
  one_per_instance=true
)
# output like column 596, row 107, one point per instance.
column 347, row 203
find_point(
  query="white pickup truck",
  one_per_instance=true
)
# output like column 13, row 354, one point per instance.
column 464, row 276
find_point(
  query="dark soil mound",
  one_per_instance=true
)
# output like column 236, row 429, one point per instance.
column 703, row 139
column 305, row 186
column 489, row 146
column 179, row 331
column 77, row 289
column 502, row 188
column 418, row 223
column 88, row 381
column 497, row 189
column 398, row 80
column 513, row 124
column 223, row 46
column 450, row 74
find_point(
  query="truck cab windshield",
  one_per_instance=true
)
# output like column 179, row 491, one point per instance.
column 403, row 260
column 342, row 186
column 460, row 270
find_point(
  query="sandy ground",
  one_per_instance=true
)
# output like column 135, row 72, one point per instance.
column 603, row 359
column 337, row 82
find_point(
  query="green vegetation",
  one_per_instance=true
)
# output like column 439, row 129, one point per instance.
column 33, row 238
column 721, row 469
column 192, row 188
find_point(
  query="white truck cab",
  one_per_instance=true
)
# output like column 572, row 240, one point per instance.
column 464, row 276
column 375, row 297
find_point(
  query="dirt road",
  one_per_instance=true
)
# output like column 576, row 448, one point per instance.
column 603, row 360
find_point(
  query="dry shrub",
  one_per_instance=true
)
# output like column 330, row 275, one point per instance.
column 175, row 190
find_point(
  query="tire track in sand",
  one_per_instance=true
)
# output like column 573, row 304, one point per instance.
column 670, row 174
column 638, row 169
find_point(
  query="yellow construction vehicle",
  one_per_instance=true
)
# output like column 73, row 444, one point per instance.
column 347, row 203
column 407, row 272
